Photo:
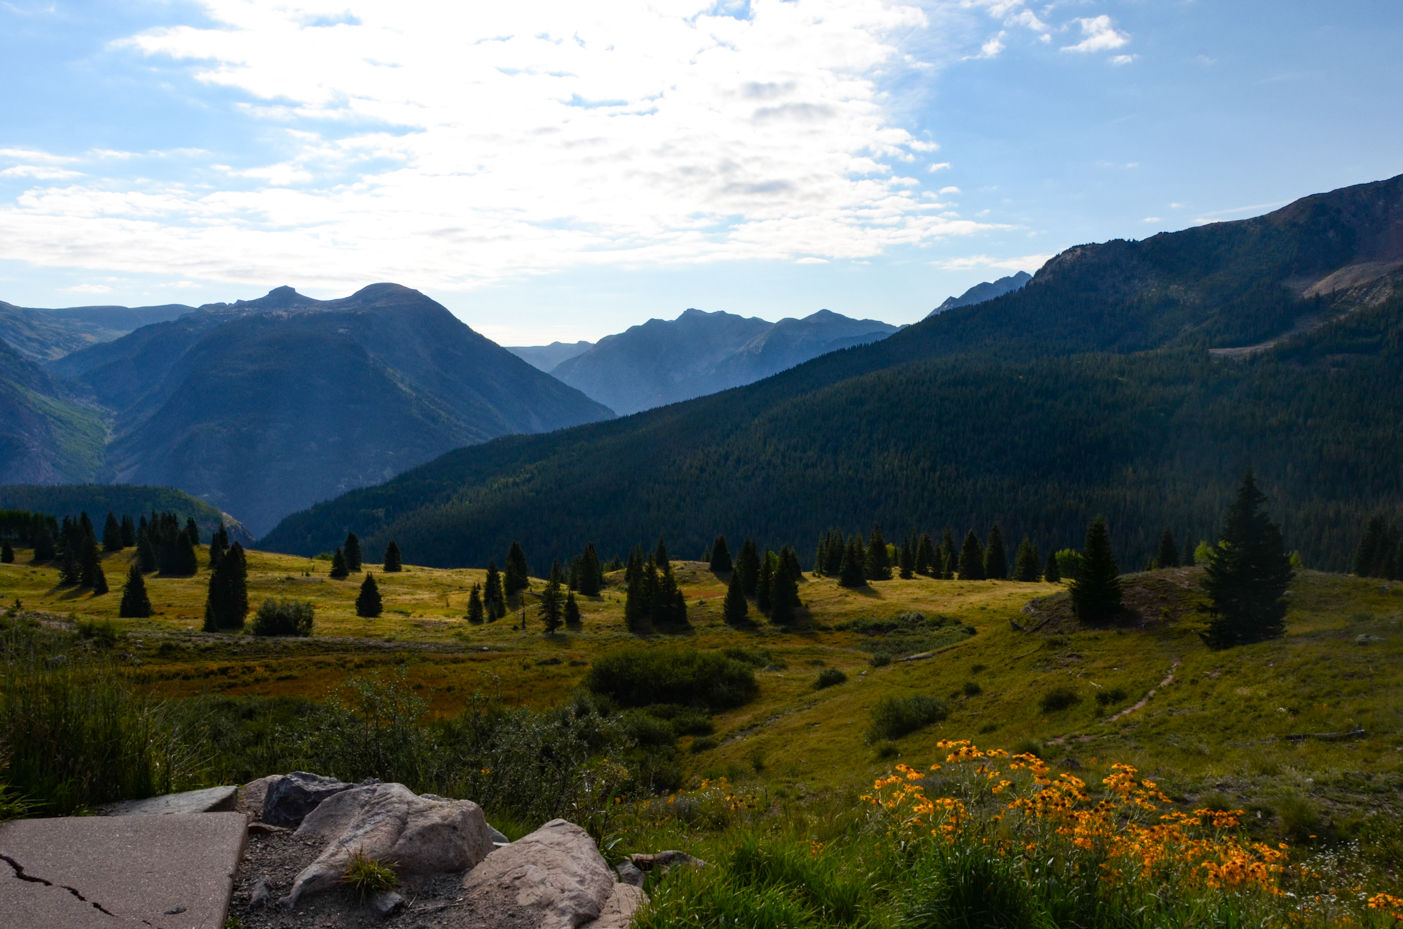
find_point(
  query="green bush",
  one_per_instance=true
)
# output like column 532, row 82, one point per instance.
column 972, row 689
column 755, row 657
column 283, row 617
column 639, row 676
column 1110, row 696
column 894, row 717
column 828, row 677
column 967, row 884
column 880, row 659
column 1058, row 699
column 703, row 744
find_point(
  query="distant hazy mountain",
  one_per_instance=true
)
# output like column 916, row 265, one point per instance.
column 545, row 357
column 664, row 361
column 44, row 335
column 982, row 292
column 263, row 407
column 46, row 436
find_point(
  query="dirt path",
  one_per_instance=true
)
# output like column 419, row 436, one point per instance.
column 1146, row 699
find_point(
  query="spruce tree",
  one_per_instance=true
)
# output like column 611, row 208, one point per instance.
column 70, row 569
column 638, row 604
column 516, row 574
column 784, row 588
column 1247, row 574
column 89, row 565
column 1168, row 554
column 493, row 596
column 971, row 558
column 1370, row 547
column 878, row 565
column 192, row 531
column 128, row 532
column 833, row 554
column 1052, row 573
column 1096, row 594
column 852, row 572
column 44, row 545
column 1025, row 563
column 338, row 564
column 591, row 572
column 227, row 605
column 908, row 558
column 368, row 602
column 925, row 554
column 1188, row 561
column 7, row 554
column 734, row 609
column 135, row 603
column 145, row 552
column 85, row 528
column 720, row 556
column 749, row 566
column 572, row 612
column 392, row 558
column 765, row 588
column 353, row 553
column 669, row 608
column 553, row 599
column 99, row 582
column 950, row 555
column 660, row 556
column 112, row 533
column 820, row 554
column 218, row 546
column 996, row 556
column 475, row 608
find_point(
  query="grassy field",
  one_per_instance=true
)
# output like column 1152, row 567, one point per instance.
column 1304, row 731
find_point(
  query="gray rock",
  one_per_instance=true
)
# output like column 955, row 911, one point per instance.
column 261, row 895
column 289, row 798
column 497, row 837
column 666, row 861
column 553, row 878
column 390, row 823
column 629, row 873
column 252, row 796
column 210, row 800
column 386, row 904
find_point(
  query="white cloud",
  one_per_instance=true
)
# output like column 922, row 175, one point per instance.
column 1151, row 219
column 1029, row 263
column 812, row 261
column 39, row 172
column 90, row 289
column 447, row 146
column 941, row 166
column 1122, row 59
column 1098, row 35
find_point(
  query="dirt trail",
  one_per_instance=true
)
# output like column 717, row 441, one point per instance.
column 1146, row 699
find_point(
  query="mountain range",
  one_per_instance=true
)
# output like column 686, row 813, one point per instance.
column 1135, row 379
column 666, row 361
column 980, row 293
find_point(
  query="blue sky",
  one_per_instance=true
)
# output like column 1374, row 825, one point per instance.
column 565, row 170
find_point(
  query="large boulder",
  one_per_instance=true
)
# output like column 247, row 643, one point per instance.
column 391, row 824
column 289, row 798
column 553, row 878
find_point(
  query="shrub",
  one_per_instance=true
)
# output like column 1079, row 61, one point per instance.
column 880, row 659
column 829, row 677
column 972, row 689
column 283, row 617
column 1058, row 699
column 639, row 676
column 1110, row 696
column 887, row 750
column 969, row 884
column 755, row 657
column 894, row 717
column 368, row 877
column 703, row 744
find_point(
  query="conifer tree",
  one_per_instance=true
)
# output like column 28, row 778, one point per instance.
column 908, row 558
column 1168, row 554
column 878, row 565
column 227, row 603
column 135, row 603
column 1096, row 593
column 218, row 546
column 112, row 533
column 517, row 574
column 1052, row 573
column 591, row 572
column 145, row 552
column 88, row 564
column 660, row 556
column 7, row 553
column 99, row 582
column 734, row 609
column 925, row 554
column 820, row 554
column 950, row 555
column 971, row 558
column 493, row 596
column 764, row 589
column 70, row 569
column 552, row 599
column 720, row 556
column 1188, row 561
column 572, row 612
column 44, row 545
column 1025, row 563
column 392, row 558
column 128, row 532
column 853, row 571
column 638, row 602
column 192, row 531
column 1370, row 547
column 1247, row 574
column 85, row 528
column 784, row 588
column 996, row 556
column 353, row 554
column 749, row 566
column 669, row 607
column 833, row 553
column 368, row 602
column 338, row 564
column 475, row 608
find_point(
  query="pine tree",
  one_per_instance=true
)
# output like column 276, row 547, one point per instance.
column 1168, row 554
column 1025, row 563
column 227, row 604
column 820, row 554
column 112, row 533
column 368, row 602
column 1370, row 547
column 338, row 564
column 99, row 582
column 878, row 567
column 925, row 554
column 192, row 531
column 950, row 555
column 493, row 596
column 1096, row 594
column 70, row 569
column 996, row 556
column 1247, row 574
column 128, row 532
column 552, row 598
column 392, row 558
column 572, row 612
column 660, row 556
column 720, row 556
column 475, row 608
column 591, row 572
column 749, row 566
column 852, row 572
column 971, row 558
column 1051, row 572
column 517, row 574
column 908, row 558
column 88, row 564
column 1188, row 561
column 7, row 554
column 735, row 609
column 833, row 554
column 638, row 602
column 85, row 528
column 353, row 554
column 784, row 588
column 135, row 603
column 218, row 546
column 669, row 607
column 764, row 590
column 145, row 552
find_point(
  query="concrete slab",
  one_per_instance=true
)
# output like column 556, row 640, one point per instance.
column 151, row 871
column 209, row 800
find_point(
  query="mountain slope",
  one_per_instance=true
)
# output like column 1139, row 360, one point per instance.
column 664, row 361
column 45, row 434
column 45, row 335
column 979, row 293
column 546, row 357
column 265, row 406
column 1089, row 390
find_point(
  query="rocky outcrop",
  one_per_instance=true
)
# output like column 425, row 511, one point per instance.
column 288, row 799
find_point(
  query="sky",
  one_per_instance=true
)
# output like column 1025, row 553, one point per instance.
column 561, row 171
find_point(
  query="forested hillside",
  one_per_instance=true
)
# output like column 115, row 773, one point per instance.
column 45, row 434
column 1092, row 390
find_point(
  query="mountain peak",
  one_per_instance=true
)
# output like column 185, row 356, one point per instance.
column 979, row 293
